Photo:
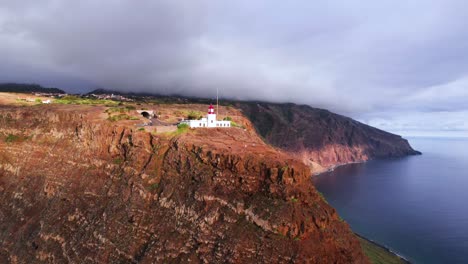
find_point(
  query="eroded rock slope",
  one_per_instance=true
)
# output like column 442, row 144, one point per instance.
column 321, row 138
column 75, row 188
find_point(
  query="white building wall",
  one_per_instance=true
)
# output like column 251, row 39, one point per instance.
column 207, row 122
column 223, row 123
column 196, row 123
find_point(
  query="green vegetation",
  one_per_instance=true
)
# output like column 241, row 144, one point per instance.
column 194, row 115
column 118, row 161
column 12, row 138
column 227, row 118
column 294, row 199
column 321, row 196
column 141, row 129
column 38, row 100
column 124, row 109
column 378, row 254
column 121, row 113
column 153, row 186
column 119, row 117
column 182, row 128
column 234, row 124
column 72, row 99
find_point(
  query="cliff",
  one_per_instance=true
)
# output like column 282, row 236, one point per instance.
column 321, row 138
column 77, row 188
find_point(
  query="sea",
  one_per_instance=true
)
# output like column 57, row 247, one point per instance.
column 416, row 206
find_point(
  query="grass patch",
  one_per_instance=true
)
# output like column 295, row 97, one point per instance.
column 194, row 115
column 294, row 199
column 234, row 124
column 378, row 254
column 12, row 138
column 182, row 128
column 153, row 186
column 72, row 99
column 118, row 113
column 119, row 117
column 141, row 129
column 124, row 109
column 117, row 161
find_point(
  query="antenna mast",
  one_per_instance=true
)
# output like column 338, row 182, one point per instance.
column 217, row 102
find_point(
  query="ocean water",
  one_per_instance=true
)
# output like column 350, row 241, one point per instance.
column 417, row 206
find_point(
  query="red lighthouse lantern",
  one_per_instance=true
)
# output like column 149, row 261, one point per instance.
column 211, row 110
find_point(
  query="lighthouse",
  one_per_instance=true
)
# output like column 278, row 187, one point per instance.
column 211, row 116
column 208, row 121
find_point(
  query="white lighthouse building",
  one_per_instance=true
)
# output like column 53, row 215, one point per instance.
column 208, row 121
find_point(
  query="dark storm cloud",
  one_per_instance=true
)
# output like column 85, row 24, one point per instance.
column 369, row 59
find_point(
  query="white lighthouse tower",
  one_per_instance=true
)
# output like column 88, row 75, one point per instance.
column 211, row 116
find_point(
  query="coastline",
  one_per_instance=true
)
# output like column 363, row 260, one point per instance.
column 402, row 259
column 334, row 167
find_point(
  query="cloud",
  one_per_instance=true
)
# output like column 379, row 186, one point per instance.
column 354, row 57
column 436, row 123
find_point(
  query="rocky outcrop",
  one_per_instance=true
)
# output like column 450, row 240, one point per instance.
column 75, row 188
column 320, row 138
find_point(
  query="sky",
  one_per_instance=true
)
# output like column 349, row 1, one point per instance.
column 399, row 65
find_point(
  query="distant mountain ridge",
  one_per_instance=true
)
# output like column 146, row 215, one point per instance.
column 322, row 139
column 27, row 88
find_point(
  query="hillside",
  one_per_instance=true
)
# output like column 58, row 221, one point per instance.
column 27, row 88
column 76, row 187
column 321, row 138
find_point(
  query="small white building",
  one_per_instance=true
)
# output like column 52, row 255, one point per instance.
column 208, row 121
column 48, row 101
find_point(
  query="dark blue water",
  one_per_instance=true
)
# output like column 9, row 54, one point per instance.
column 416, row 206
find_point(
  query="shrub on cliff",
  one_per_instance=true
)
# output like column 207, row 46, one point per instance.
column 234, row 124
column 193, row 115
column 11, row 138
column 119, row 117
column 182, row 126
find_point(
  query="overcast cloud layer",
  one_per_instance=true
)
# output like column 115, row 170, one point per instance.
column 399, row 65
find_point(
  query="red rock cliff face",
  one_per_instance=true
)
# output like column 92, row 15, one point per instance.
column 76, row 189
column 320, row 138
